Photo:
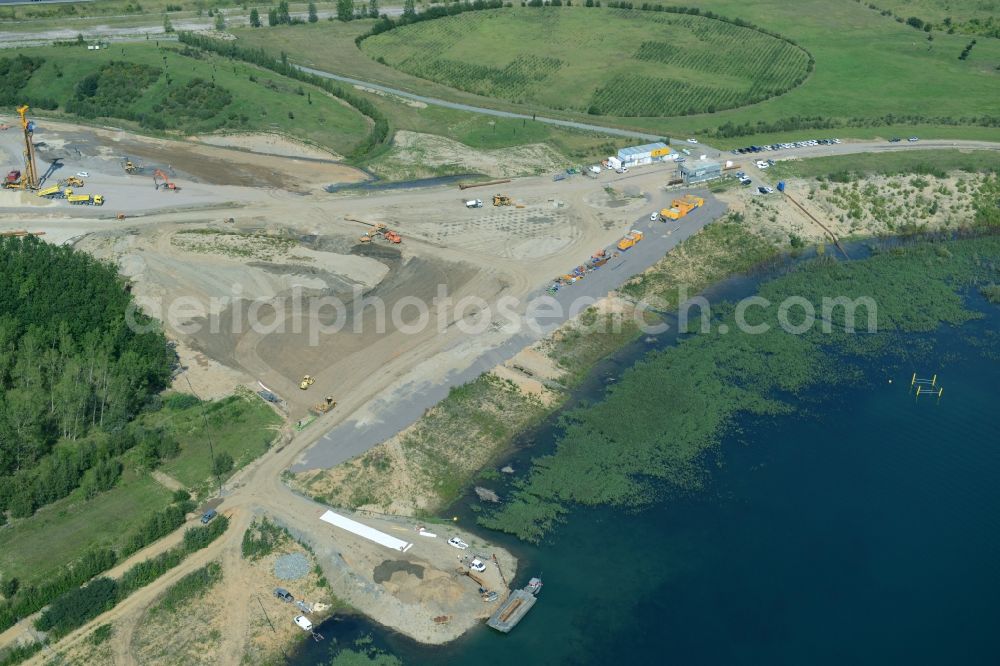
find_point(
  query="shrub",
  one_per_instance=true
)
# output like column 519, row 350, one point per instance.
column 77, row 606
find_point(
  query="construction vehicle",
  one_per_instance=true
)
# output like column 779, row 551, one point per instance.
column 325, row 406
column 306, row 382
column 130, row 166
column 160, row 179
column 501, row 200
column 72, row 181
column 630, row 239
column 54, row 191
column 474, row 203
column 681, row 207
column 392, row 237
column 86, row 199
column 365, row 238
column 27, row 180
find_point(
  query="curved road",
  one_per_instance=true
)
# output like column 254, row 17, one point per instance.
column 635, row 134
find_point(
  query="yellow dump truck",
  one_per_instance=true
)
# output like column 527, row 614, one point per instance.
column 630, row 239
column 86, row 199
column 681, row 207
column 53, row 191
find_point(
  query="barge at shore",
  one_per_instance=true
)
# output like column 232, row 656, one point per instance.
column 516, row 607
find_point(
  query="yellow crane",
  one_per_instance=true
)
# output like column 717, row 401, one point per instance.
column 30, row 179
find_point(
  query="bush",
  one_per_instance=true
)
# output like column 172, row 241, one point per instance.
column 77, row 606
column 222, row 464
column 261, row 539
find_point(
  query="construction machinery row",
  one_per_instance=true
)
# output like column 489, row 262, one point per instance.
column 377, row 230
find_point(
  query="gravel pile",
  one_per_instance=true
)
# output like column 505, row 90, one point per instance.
column 291, row 567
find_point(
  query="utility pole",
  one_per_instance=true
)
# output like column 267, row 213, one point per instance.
column 208, row 435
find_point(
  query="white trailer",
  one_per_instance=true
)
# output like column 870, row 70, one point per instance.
column 614, row 163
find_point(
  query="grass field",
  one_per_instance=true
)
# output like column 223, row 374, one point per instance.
column 620, row 63
column 36, row 547
column 269, row 102
column 57, row 534
column 867, row 67
column 242, row 428
column 981, row 17
column 890, row 164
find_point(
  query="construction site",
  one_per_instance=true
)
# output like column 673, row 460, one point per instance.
column 237, row 237
column 265, row 279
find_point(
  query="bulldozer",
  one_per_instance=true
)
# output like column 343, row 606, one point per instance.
column 72, row 181
column 325, row 406
column 130, row 166
column 501, row 200
column 306, row 382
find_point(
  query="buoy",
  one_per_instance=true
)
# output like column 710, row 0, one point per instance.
column 890, row 381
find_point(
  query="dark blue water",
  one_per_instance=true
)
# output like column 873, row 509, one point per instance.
column 865, row 530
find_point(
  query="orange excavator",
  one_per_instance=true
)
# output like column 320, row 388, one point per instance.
column 160, row 179
column 377, row 230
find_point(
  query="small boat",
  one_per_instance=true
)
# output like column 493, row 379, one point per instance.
column 534, row 586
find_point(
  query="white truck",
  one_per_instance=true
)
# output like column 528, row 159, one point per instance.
column 594, row 169
column 474, row 203
column 614, row 163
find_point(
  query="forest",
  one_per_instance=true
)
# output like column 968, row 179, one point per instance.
column 73, row 374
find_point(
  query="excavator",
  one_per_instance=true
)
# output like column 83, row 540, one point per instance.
column 376, row 230
column 159, row 176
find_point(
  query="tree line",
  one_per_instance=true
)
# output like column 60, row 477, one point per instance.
column 72, row 370
column 81, row 604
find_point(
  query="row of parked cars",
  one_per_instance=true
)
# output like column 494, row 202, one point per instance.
column 783, row 146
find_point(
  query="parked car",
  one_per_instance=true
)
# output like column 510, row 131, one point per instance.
column 741, row 174
column 207, row 517
column 765, row 190
column 913, row 138
column 895, row 139
column 685, row 151
column 477, row 565
column 457, row 543
column 745, row 182
column 303, row 623
column 283, row 594
column 82, row 174
column 692, row 140
column 653, row 216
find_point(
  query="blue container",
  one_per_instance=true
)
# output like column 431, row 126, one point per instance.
column 781, row 186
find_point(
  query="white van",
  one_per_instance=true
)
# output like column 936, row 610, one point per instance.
column 303, row 623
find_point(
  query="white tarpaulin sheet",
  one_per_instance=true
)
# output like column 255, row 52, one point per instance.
column 362, row 530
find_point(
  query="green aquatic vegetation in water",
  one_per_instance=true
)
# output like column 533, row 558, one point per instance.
column 651, row 429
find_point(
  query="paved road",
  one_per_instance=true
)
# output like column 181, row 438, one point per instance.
column 401, row 407
column 634, row 134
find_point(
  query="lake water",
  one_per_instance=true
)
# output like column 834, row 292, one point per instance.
column 865, row 530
